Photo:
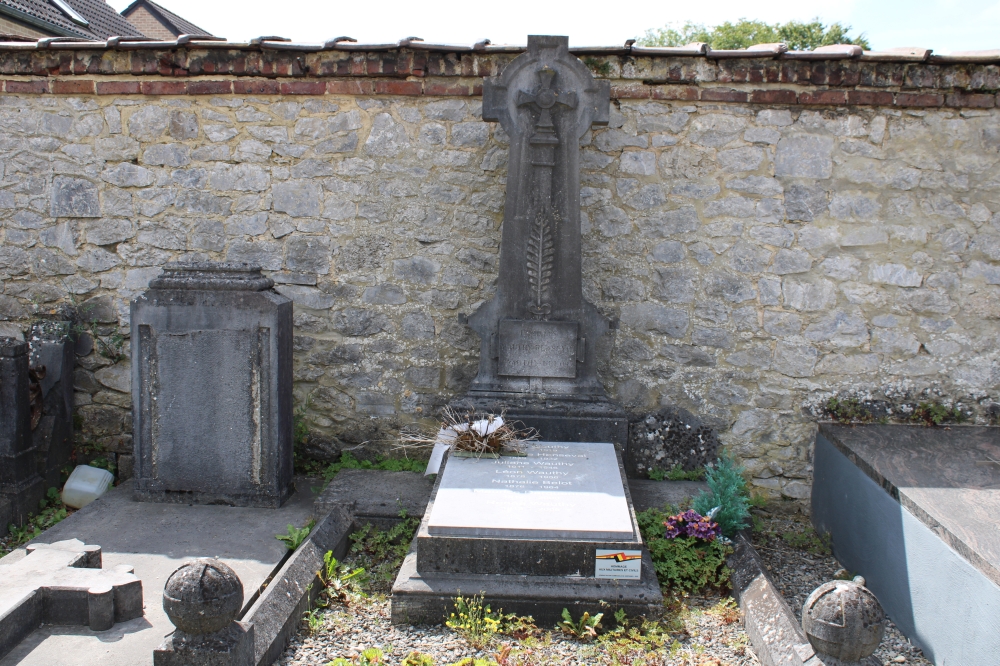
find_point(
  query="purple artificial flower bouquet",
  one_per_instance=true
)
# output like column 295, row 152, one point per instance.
column 691, row 524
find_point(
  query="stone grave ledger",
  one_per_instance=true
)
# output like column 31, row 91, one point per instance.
column 540, row 339
column 558, row 491
column 212, row 387
column 535, row 534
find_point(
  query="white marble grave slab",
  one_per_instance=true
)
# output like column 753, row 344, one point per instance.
column 568, row 490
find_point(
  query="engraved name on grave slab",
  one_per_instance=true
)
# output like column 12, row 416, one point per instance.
column 538, row 348
column 559, row 490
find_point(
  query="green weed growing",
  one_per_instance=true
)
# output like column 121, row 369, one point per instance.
column 296, row 535
column 584, row 629
column 51, row 510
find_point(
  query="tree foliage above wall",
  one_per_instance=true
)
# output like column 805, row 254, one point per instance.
column 743, row 33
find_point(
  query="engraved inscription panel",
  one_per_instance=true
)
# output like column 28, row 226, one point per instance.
column 559, row 490
column 538, row 348
column 200, row 454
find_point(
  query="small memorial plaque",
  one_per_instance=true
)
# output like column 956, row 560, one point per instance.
column 621, row 564
column 559, row 490
column 538, row 348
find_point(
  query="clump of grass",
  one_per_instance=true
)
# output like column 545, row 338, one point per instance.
column 849, row 410
column 602, row 68
column 51, row 510
column 677, row 473
column 934, row 414
column 348, row 461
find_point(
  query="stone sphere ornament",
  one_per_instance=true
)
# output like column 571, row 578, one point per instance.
column 844, row 620
column 203, row 596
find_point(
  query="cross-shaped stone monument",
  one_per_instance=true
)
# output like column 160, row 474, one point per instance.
column 540, row 350
column 554, row 528
column 63, row 583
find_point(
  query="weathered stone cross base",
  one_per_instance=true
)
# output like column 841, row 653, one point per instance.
column 63, row 583
column 559, row 419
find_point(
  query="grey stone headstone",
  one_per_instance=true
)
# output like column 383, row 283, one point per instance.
column 20, row 485
column 63, row 583
column 540, row 337
column 212, row 387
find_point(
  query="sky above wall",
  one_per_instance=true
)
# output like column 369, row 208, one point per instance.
column 943, row 25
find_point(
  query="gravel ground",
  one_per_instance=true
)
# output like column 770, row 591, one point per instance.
column 695, row 630
column 699, row 632
column 800, row 562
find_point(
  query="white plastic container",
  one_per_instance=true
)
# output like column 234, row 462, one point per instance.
column 84, row 485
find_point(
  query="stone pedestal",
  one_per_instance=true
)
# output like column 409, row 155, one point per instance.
column 540, row 337
column 233, row 646
column 555, row 529
column 212, row 387
column 20, row 486
column 52, row 348
column 202, row 598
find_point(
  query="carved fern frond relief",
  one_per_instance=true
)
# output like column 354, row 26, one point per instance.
column 541, row 255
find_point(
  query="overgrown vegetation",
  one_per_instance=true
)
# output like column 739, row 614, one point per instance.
column 929, row 412
column 728, row 491
column 51, row 510
column 341, row 582
column 369, row 657
column 797, row 35
column 380, row 552
column 348, row 461
column 677, row 473
column 684, row 564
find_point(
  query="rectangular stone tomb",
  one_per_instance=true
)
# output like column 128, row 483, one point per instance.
column 916, row 511
column 554, row 529
column 212, row 387
column 559, row 490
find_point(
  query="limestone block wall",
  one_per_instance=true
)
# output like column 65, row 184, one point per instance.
column 759, row 257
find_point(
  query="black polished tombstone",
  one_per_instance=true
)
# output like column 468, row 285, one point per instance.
column 20, row 486
column 540, row 337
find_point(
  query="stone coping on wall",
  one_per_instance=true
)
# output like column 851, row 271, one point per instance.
column 904, row 78
column 473, row 88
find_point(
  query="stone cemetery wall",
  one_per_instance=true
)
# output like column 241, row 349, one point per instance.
column 764, row 244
